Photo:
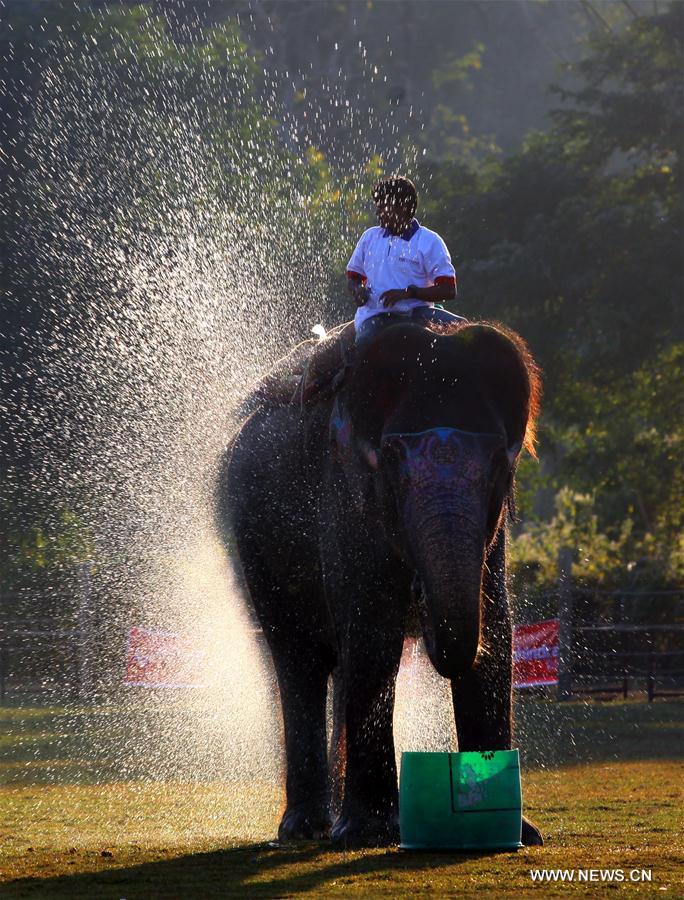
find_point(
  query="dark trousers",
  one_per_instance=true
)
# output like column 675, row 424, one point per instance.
column 421, row 315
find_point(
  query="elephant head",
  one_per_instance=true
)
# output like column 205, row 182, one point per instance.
column 428, row 431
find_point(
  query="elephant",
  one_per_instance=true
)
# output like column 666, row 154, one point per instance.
column 350, row 511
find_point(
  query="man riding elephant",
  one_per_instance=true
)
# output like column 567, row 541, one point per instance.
column 399, row 268
column 399, row 271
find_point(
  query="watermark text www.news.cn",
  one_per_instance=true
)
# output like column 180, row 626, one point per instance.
column 606, row 876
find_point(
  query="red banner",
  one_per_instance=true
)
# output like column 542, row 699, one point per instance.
column 163, row 659
column 535, row 654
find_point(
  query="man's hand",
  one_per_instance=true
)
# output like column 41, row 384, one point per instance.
column 356, row 285
column 361, row 294
column 436, row 293
column 389, row 298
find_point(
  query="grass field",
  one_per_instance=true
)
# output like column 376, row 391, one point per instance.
column 604, row 781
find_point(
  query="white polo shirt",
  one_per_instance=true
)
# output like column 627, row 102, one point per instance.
column 387, row 261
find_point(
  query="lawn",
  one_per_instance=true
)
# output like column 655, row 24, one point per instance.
column 603, row 780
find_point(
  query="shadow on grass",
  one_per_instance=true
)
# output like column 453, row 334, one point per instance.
column 250, row 871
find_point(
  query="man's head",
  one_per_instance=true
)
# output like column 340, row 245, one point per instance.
column 395, row 200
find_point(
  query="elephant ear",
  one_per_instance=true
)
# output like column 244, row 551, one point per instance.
column 358, row 459
column 509, row 379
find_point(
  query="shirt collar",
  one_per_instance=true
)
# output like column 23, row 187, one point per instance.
column 405, row 235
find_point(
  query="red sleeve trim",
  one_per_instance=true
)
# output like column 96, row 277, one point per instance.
column 445, row 279
column 357, row 276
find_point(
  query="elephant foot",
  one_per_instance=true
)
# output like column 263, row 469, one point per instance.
column 351, row 831
column 531, row 835
column 304, row 822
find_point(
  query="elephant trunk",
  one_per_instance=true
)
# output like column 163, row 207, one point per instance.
column 443, row 494
column 449, row 566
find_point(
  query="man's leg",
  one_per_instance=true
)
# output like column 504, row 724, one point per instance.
column 370, row 327
column 424, row 314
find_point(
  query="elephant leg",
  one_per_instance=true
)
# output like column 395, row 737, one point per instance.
column 367, row 592
column 303, row 681
column 369, row 812
column 337, row 757
column 303, row 661
column 483, row 696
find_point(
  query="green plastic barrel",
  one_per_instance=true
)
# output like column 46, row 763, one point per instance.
column 460, row 801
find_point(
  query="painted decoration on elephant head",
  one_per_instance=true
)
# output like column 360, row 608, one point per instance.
column 441, row 466
column 440, row 455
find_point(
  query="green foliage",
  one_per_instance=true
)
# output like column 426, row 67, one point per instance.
column 631, row 93
column 43, row 545
column 575, row 524
column 53, row 544
column 630, row 448
column 449, row 128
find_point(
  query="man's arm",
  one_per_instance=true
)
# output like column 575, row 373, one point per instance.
column 356, row 285
column 441, row 292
